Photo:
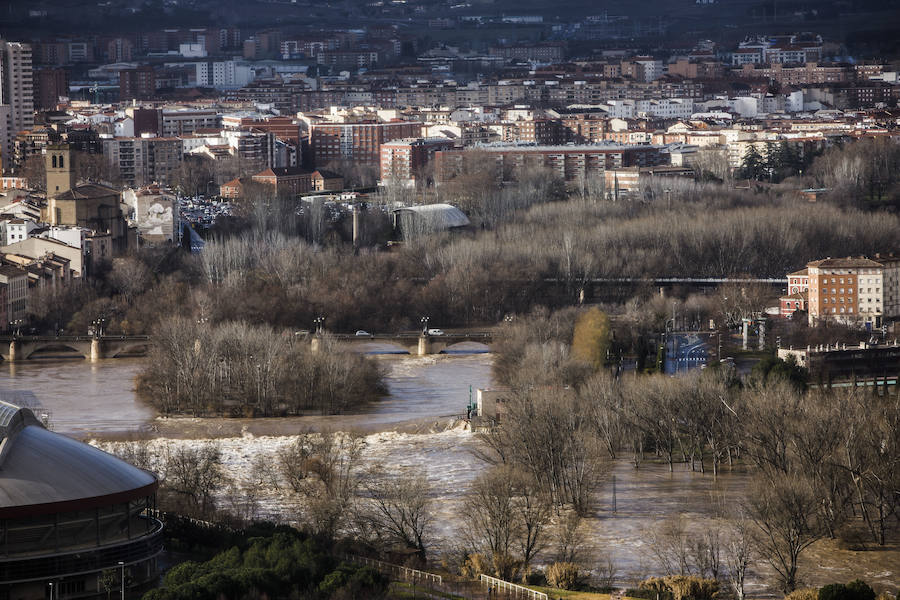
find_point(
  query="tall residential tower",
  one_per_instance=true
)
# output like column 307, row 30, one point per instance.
column 16, row 96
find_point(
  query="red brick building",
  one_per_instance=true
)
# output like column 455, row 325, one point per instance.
column 139, row 83
column 326, row 181
column 359, row 142
column 49, row 85
column 286, row 180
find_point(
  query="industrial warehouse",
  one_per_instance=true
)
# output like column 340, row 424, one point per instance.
column 68, row 513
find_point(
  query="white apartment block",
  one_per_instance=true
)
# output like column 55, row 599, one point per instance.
column 223, row 74
column 667, row 108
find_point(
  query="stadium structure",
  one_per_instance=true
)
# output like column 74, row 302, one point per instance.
column 75, row 522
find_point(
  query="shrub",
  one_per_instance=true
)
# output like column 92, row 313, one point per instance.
column 695, row 588
column 563, row 575
column 536, row 577
column 803, row 594
column 677, row 587
column 834, row 591
column 650, row 588
column 474, row 565
column 860, row 590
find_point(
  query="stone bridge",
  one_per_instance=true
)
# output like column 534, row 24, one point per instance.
column 414, row 343
column 20, row 347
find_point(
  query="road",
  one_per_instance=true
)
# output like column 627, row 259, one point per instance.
column 686, row 351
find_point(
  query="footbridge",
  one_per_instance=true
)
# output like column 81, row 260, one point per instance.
column 415, row 343
column 18, row 347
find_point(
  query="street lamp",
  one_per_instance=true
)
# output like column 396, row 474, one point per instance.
column 319, row 322
column 98, row 324
column 122, row 566
column 51, row 590
column 425, row 325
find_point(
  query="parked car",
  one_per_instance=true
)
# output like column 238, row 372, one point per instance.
column 435, row 332
column 362, row 333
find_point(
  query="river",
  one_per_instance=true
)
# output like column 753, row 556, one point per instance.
column 408, row 432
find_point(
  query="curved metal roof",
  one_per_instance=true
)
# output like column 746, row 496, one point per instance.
column 42, row 472
column 440, row 216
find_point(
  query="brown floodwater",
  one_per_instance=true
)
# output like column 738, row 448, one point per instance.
column 408, row 432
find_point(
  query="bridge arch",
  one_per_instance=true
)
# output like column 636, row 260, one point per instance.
column 129, row 349
column 29, row 350
column 464, row 347
column 387, row 347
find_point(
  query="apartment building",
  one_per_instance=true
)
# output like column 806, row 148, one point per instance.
column 359, row 142
column 846, row 290
column 404, row 161
column 141, row 161
column 16, row 96
column 182, row 122
column 16, row 282
column 571, row 163
column 49, row 86
column 137, row 84
column 546, row 53
column 223, row 74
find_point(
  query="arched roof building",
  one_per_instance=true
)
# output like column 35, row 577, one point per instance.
column 68, row 512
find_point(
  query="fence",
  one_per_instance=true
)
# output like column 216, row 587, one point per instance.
column 511, row 590
column 404, row 573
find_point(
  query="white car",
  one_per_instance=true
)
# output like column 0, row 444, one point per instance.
column 362, row 333
column 435, row 332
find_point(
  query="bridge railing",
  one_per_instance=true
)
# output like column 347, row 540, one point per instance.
column 409, row 336
column 73, row 338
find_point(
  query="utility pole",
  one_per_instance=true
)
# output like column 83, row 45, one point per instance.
column 122, row 565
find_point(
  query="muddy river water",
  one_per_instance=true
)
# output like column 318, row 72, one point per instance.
column 408, row 431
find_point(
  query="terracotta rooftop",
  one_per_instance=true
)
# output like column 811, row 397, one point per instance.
column 86, row 191
column 845, row 263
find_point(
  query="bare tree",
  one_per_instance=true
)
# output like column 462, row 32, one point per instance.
column 196, row 474
column 786, row 515
column 492, row 527
column 398, row 508
column 738, row 555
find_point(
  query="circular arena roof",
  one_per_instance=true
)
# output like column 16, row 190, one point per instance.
column 42, row 472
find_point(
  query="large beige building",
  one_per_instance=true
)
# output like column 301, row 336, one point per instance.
column 854, row 290
column 16, row 96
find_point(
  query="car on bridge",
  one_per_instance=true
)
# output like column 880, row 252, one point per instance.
column 362, row 333
column 435, row 332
